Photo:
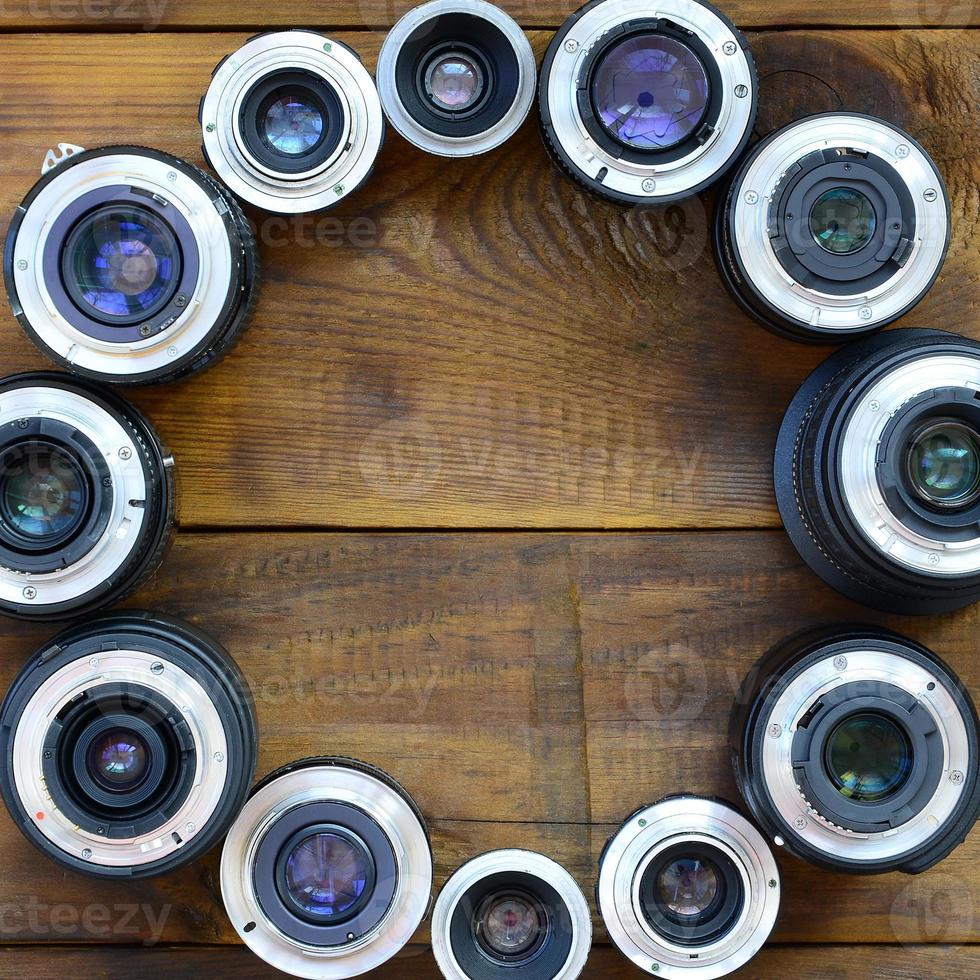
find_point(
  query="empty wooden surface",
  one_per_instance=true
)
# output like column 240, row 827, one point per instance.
column 393, row 490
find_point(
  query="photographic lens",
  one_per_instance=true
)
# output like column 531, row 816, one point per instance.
column 147, row 270
column 641, row 107
column 132, row 740
column 86, row 497
column 833, row 227
column 509, row 911
column 327, row 870
column 457, row 77
column 844, row 743
column 877, row 472
column 651, row 92
column 689, row 884
column 292, row 122
column 843, row 221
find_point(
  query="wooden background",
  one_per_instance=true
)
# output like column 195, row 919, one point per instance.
column 483, row 497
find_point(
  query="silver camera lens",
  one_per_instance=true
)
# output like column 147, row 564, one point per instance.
column 457, row 77
column 877, row 471
column 128, row 745
column 292, row 122
column 857, row 750
column 86, row 497
column 689, row 887
column 128, row 265
column 327, row 872
column 833, row 228
column 511, row 911
column 647, row 103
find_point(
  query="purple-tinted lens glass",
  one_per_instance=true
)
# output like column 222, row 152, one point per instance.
column 326, row 874
column 651, row 92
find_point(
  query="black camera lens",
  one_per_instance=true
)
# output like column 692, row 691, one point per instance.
column 292, row 122
column 857, row 750
column 877, row 471
column 509, row 911
column 327, row 871
column 647, row 107
column 128, row 265
column 688, row 884
column 128, row 744
column 86, row 497
column 833, row 227
column 457, row 77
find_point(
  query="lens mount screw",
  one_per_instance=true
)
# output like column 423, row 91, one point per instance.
column 48, row 754
column 156, row 668
column 931, row 195
column 190, row 828
column 571, row 45
column 751, row 197
column 655, row 968
column 125, row 453
column 100, row 830
column 865, row 313
column 172, row 176
column 840, row 663
column 934, row 559
column 800, row 822
column 29, row 592
column 94, row 663
column 22, row 264
column 875, row 405
column 171, row 352
column 219, row 757
column 87, row 853
column 23, row 423
column 741, row 91
column 773, row 883
column 649, row 185
column 730, row 47
column 902, row 152
column 956, row 777
column 210, row 127
column 145, row 330
column 643, row 823
column 181, row 301
column 775, row 730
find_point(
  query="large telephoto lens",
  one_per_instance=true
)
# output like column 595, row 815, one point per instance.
column 128, row 746
column 327, row 872
column 86, row 497
column 457, row 77
column 689, row 885
column 877, row 471
column 647, row 103
column 510, row 913
column 857, row 751
column 130, row 266
column 292, row 122
column 833, row 228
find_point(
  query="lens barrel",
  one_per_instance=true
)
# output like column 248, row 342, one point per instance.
column 856, row 749
column 128, row 746
column 833, row 227
column 131, row 266
column 647, row 104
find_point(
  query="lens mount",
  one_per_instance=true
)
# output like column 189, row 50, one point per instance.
column 292, row 122
column 67, row 447
column 690, row 884
column 843, row 484
column 138, row 691
column 128, row 265
column 313, row 817
column 833, row 227
column 508, row 911
column 689, row 82
column 490, row 87
column 856, row 750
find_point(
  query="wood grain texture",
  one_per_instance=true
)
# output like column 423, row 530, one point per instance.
column 529, row 690
column 496, row 350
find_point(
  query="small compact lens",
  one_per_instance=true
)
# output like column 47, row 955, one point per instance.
column 877, row 471
column 833, row 227
column 688, row 884
column 856, row 751
column 292, row 122
column 86, row 497
column 457, row 77
column 130, row 266
column 647, row 106
column 133, row 742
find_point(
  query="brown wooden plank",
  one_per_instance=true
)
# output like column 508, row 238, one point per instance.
column 529, row 690
column 505, row 352
column 118, row 15
column 417, row 963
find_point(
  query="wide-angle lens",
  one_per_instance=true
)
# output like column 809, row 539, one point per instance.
column 868, row 757
column 118, row 760
column 42, row 490
column 327, row 873
column 843, row 221
column 944, row 463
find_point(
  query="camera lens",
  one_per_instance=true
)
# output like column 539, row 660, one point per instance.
column 690, row 884
column 833, row 227
column 644, row 105
column 510, row 911
column 130, row 266
column 877, row 471
column 856, row 750
column 327, row 871
column 292, row 122
column 130, row 743
column 457, row 77
column 86, row 497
